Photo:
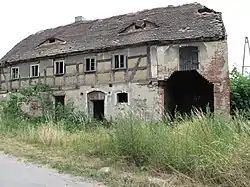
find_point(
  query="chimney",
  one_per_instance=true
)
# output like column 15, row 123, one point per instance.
column 79, row 18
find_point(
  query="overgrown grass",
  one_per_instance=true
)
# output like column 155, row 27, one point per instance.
column 208, row 150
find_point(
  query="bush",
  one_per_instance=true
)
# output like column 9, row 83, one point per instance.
column 71, row 119
column 240, row 93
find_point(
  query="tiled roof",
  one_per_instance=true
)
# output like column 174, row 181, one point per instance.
column 189, row 21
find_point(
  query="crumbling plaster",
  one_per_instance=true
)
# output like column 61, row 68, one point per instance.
column 213, row 65
column 141, row 98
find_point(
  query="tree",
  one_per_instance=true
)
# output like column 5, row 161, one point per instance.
column 240, row 91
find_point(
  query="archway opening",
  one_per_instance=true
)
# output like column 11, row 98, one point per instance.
column 187, row 91
column 96, row 101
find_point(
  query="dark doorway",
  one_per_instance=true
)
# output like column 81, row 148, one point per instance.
column 98, row 109
column 96, row 105
column 186, row 91
column 59, row 100
column 59, row 107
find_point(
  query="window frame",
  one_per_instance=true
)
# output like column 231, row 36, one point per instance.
column 85, row 64
column 58, row 61
column 33, row 65
column 18, row 73
column 125, row 61
column 122, row 103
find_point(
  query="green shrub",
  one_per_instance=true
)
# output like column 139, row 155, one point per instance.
column 240, row 93
column 71, row 119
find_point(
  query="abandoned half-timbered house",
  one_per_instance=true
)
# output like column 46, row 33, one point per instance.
column 157, row 60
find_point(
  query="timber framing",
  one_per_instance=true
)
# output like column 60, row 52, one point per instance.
column 106, row 49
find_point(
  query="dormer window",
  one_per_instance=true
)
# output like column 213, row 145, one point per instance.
column 139, row 25
column 52, row 40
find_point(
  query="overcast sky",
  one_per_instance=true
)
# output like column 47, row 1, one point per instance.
column 20, row 18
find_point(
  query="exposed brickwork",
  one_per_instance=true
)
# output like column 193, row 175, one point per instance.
column 161, row 100
column 217, row 73
column 213, row 66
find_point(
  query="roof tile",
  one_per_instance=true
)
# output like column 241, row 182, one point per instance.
column 175, row 23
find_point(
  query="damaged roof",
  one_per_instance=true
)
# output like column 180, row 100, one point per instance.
column 188, row 21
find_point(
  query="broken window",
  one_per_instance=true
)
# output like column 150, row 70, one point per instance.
column 34, row 70
column 120, row 61
column 189, row 58
column 14, row 72
column 59, row 67
column 122, row 98
column 90, row 64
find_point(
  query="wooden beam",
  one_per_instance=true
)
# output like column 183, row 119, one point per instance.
column 135, row 69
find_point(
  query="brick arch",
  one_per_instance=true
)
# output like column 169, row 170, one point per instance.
column 216, row 72
column 184, row 91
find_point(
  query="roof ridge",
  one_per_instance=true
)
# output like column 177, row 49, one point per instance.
column 152, row 9
column 121, row 15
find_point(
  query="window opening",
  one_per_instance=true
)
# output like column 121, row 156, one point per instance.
column 14, row 73
column 52, row 40
column 59, row 67
column 140, row 25
column 120, row 61
column 34, row 70
column 122, row 97
column 90, row 64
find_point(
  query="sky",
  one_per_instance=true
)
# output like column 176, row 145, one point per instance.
column 19, row 19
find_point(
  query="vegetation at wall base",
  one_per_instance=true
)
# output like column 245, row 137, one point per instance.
column 201, row 150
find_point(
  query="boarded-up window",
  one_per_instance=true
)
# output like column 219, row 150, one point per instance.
column 189, row 58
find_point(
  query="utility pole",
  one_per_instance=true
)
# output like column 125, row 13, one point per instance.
column 244, row 54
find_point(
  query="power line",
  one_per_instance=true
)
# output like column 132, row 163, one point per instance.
column 244, row 54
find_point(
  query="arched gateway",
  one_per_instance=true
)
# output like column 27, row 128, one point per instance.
column 188, row 90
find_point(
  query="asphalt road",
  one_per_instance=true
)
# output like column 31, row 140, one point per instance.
column 18, row 174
